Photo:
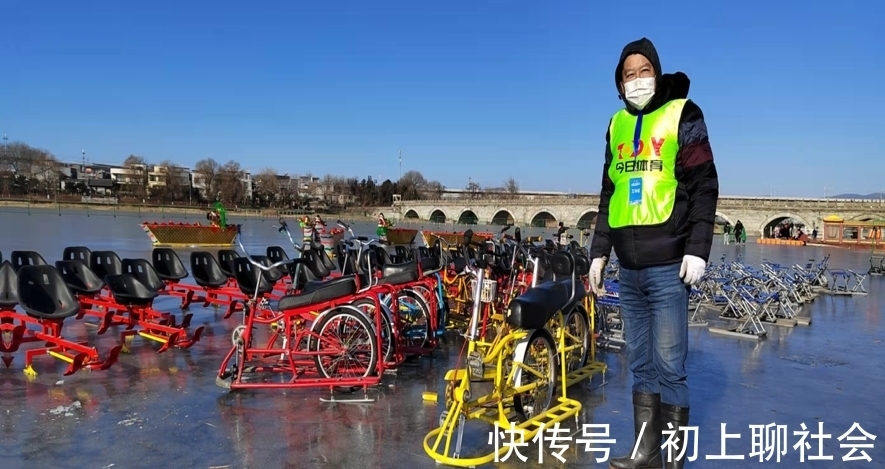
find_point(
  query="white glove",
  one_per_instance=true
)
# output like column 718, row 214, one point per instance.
column 596, row 268
column 692, row 270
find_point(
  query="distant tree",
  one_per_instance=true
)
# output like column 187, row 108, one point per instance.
column 175, row 182
column 433, row 190
column 207, row 170
column 136, row 176
column 411, row 184
column 266, row 188
column 474, row 190
column 512, row 187
column 229, row 180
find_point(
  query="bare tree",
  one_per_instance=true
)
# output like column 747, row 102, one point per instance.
column 433, row 190
column 327, row 186
column 411, row 184
column 207, row 172
column 136, row 176
column 175, row 182
column 45, row 170
column 267, row 187
column 474, row 190
column 230, row 183
column 512, row 187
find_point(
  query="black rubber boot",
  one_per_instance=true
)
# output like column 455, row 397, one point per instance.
column 678, row 416
column 646, row 409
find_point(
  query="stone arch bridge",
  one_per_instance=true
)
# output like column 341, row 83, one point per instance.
column 758, row 214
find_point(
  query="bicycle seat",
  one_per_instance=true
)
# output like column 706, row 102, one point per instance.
column 429, row 264
column 128, row 291
column 79, row 277
column 582, row 265
column 537, row 305
column 398, row 274
column 319, row 292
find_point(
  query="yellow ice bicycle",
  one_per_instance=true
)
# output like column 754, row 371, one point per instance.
column 525, row 366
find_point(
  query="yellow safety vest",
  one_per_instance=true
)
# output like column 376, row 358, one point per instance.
column 643, row 168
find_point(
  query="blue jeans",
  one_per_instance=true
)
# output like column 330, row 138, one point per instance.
column 654, row 310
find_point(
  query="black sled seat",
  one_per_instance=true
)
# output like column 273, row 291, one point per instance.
column 168, row 265
column 128, row 291
column 43, row 293
column 226, row 259
column 105, row 263
column 207, row 271
column 78, row 253
column 250, row 278
column 398, row 274
column 536, row 306
column 142, row 270
column 8, row 286
column 273, row 275
column 79, row 277
column 20, row 259
column 276, row 254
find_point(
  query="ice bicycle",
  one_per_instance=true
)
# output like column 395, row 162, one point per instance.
column 316, row 336
column 526, row 366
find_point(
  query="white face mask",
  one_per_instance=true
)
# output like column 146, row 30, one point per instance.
column 639, row 92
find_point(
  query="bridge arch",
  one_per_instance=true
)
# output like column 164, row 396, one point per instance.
column 543, row 219
column 437, row 215
column 467, row 217
column 502, row 217
column 411, row 214
column 768, row 225
column 722, row 218
column 587, row 220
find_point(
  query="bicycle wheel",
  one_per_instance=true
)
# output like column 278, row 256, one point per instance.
column 578, row 326
column 388, row 341
column 540, row 355
column 414, row 316
column 351, row 343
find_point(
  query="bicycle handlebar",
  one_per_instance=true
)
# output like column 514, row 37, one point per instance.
column 257, row 264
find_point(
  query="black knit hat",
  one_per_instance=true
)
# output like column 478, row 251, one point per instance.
column 642, row 46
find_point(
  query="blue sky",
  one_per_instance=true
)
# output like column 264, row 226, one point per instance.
column 466, row 89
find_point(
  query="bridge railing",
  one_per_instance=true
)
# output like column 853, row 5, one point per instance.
column 781, row 203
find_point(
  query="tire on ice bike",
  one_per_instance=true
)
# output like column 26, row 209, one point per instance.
column 388, row 344
column 524, row 409
column 315, row 344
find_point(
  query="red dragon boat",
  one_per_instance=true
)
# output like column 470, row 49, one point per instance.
column 189, row 234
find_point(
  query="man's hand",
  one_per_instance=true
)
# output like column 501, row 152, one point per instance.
column 692, row 270
column 596, row 269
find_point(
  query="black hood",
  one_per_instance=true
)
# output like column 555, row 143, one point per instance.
column 668, row 86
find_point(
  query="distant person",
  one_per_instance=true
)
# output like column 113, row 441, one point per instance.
column 726, row 233
column 738, row 232
column 307, row 229
column 383, row 225
column 562, row 235
column 657, row 210
column 814, row 234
